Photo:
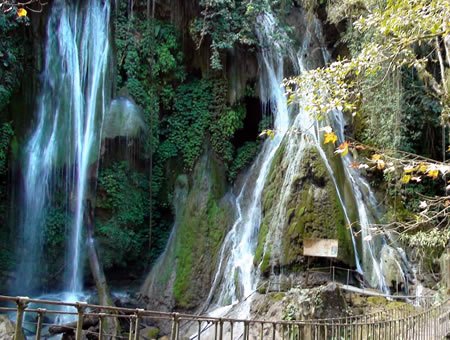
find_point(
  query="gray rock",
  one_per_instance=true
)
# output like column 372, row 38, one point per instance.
column 7, row 328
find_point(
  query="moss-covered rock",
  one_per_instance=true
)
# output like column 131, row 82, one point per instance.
column 201, row 225
column 313, row 210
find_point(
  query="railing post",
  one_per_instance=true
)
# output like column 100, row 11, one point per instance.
column 137, row 325
column 262, row 331
column 130, row 334
column 231, row 330
column 40, row 319
column 245, row 330
column 220, row 329
column 175, row 326
column 199, row 332
column 81, row 306
column 22, row 304
column 100, row 325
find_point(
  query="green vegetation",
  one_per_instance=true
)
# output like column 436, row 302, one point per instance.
column 12, row 55
column 123, row 198
column 182, row 112
column 13, row 61
column 201, row 230
column 244, row 156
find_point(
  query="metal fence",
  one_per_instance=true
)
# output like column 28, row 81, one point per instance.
column 407, row 322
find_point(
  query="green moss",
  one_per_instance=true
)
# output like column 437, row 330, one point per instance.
column 152, row 333
column 377, row 301
column 263, row 230
column 201, row 231
column 265, row 264
column 313, row 210
column 275, row 297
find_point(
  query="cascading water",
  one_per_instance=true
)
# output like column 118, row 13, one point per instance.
column 64, row 145
column 236, row 274
column 237, row 269
column 375, row 244
column 304, row 134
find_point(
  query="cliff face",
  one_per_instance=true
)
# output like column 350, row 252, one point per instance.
column 182, row 276
column 184, row 273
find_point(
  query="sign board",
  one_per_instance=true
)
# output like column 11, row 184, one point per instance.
column 320, row 247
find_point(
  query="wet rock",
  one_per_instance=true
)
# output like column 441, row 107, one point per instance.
column 445, row 270
column 391, row 267
column 183, row 275
column 300, row 304
column 6, row 328
column 150, row 333
column 310, row 209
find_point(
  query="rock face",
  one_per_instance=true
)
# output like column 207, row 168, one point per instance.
column 311, row 210
column 183, row 275
column 393, row 268
column 6, row 328
column 300, row 304
column 445, row 270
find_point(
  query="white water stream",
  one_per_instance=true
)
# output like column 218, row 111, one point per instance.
column 236, row 273
column 64, row 145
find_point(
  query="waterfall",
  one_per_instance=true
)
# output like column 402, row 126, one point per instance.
column 375, row 244
column 236, row 274
column 64, row 145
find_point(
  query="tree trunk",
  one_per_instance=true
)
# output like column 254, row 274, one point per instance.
column 70, row 327
column 111, row 324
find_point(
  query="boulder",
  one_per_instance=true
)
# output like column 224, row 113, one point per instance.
column 6, row 328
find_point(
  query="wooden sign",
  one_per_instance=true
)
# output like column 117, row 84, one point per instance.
column 320, row 248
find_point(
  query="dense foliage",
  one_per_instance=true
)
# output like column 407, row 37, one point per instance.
column 122, row 203
column 13, row 47
column 183, row 112
column 225, row 24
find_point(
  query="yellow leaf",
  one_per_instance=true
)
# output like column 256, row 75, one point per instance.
column 422, row 168
column 376, row 157
column 408, row 169
column 22, row 12
column 433, row 173
column 406, row 178
column 269, row 133
column 330, row 137
column 342, row 149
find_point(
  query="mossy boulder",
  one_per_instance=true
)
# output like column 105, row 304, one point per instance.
column 312, row 210
column 188, row 266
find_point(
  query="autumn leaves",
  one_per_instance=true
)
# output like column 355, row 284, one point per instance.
column 412, row 170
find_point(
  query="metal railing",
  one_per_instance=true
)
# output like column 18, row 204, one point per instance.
column 401, row 323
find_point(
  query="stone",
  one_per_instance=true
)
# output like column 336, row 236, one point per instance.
column 445, row 270
column 311, row 210
column 6, row 328
column 391, row 266
column 150, row 332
